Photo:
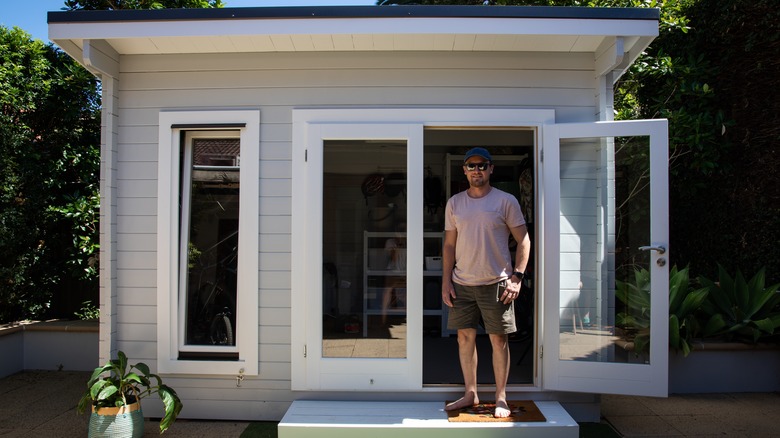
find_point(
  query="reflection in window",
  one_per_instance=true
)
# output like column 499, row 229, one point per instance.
column 209, row 238
column 605, row 198
column 364, row 249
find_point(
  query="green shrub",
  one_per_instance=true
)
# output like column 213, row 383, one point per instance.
column 684, row 301
column 635, row 320
column 740, row 310
column 88, row 311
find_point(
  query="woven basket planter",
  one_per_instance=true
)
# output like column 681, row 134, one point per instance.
column 122, row 422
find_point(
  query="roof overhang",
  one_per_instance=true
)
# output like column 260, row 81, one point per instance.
column 356, row 28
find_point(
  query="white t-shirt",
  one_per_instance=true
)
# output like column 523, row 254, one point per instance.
column 482, row 248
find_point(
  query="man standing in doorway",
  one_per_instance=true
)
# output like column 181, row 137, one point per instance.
column 479, row 278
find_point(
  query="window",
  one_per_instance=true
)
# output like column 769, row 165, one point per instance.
column 207, row 260
column 210, row 197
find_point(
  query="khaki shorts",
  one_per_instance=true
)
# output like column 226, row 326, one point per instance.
column 471, row 302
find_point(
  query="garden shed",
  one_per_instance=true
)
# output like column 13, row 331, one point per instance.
column 258, row 163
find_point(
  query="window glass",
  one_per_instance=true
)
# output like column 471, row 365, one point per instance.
column 364, row 249
column 209, row 219
column 605, row 277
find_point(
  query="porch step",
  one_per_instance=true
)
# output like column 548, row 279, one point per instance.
column 374, row 419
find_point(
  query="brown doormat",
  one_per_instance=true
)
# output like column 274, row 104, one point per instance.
column 522, row 411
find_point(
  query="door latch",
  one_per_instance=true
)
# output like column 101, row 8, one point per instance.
column 660, row 249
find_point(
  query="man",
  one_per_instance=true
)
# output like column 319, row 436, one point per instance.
column 479, row 278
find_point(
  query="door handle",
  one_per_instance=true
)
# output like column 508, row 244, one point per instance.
column 660, row 249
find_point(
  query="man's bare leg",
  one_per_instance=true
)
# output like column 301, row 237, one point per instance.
column 500, row 344
column 467, row 352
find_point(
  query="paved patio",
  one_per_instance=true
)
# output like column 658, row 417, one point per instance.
column 43, row 404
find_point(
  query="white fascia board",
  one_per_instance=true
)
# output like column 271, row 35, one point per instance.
column 341, row 26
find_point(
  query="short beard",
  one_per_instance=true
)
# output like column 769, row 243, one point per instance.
column 479, row 183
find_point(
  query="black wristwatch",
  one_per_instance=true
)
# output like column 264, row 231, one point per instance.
column 519, row 275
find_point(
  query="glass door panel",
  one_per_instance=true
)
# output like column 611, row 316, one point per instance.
column 605, row 287
column 608, row 225
column 364, row 249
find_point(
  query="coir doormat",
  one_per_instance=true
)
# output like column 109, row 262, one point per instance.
column 522, row 411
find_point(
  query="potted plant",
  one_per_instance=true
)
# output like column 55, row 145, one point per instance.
column 115, row 391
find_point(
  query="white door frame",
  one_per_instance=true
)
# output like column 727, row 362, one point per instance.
column 607, row 377
column 310, row 371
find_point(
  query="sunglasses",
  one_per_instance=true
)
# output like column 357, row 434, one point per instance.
column 481, row 166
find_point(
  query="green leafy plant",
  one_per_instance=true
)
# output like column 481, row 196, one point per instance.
column 88, row 311
column 684, row 301
column 741, row 310
column 117, row 384
column 635, row 320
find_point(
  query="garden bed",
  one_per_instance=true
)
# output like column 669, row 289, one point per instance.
column 725, row 367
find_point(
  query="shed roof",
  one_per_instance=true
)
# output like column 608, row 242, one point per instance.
column 356, row 28
column 357, row 12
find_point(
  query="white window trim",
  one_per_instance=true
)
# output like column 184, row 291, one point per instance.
column 168, row 241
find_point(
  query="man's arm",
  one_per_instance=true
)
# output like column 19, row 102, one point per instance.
column 447, row 265
column 523, row 252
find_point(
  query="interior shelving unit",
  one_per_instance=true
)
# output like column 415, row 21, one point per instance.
column 377, row 279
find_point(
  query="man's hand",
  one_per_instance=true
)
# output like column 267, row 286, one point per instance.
column 447, row 293
column 512, row 290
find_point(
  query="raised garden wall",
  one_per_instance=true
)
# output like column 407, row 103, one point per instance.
column 49, row 345
column 725, row 367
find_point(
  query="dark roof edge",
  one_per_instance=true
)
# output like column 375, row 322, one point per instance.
column 553, row 12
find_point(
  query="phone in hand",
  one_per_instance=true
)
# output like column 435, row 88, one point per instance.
column 500, row 288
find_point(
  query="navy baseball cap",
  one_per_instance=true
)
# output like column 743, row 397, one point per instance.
column 477, row 152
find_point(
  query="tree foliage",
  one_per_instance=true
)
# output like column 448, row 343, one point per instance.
column 721, row 97
column 49, row 192
column 49, row 135
column 110, row 5
column 50, row 151
column 713, row 72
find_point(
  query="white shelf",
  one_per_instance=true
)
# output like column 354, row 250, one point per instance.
column 373, row 258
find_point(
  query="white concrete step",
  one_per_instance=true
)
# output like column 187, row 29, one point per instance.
column 360, row 419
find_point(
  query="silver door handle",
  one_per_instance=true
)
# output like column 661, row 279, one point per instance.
column 660, row 249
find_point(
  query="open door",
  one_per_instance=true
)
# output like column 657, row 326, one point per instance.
column 606, row 290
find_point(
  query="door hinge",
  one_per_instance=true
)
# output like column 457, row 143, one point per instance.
column 304, row 350
column 541, row 155
column 541, row 352
column 305, row 155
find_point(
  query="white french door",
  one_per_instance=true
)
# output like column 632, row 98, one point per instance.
column 360, row 209
column 606, row 255
column 356, row 316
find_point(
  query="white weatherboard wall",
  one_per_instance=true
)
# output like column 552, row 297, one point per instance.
column 578, row 229
column 275, row 84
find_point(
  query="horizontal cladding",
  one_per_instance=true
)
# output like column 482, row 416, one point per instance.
column 366, row 96
column 354, row 61
column 578, row 226
column 277, row 83
column 385, row 78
